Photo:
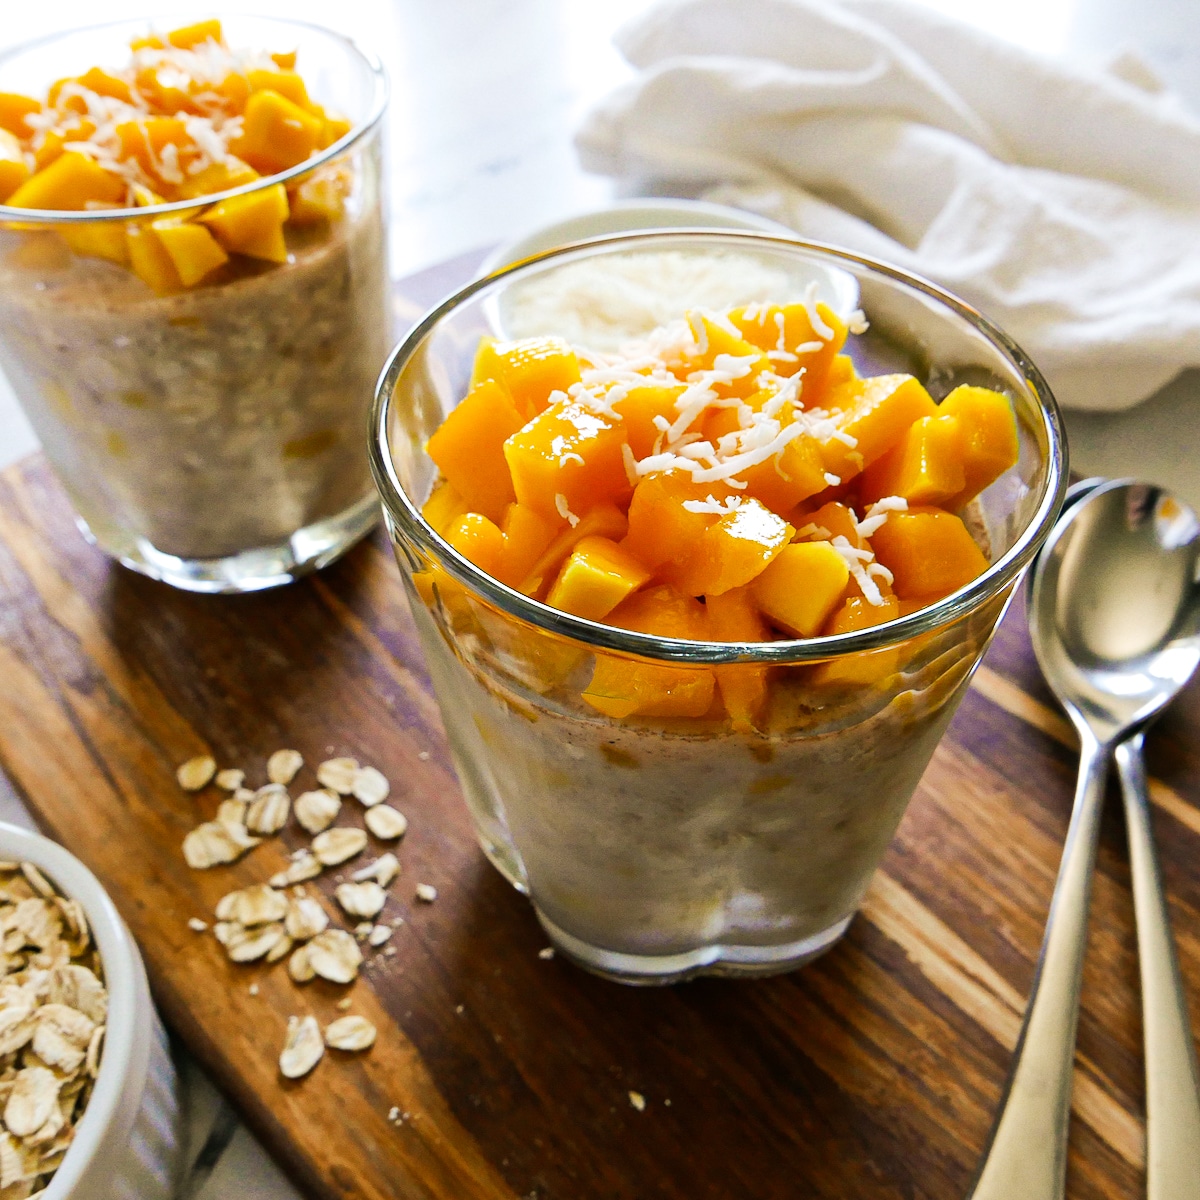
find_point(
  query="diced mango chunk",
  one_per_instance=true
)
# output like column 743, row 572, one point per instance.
column 322, row 196
column 217, row 177
column 444, row 506
column 794, row 474
column 478, row 539
column 98, row 239
column 71, row 181
column 530, row 369
column 146, row 139
column 875, row 413
column 733, row 616
column 193, row 250
column 793, row 339
column 468, row 448
column 867, row 666
column 734, row 549
column 722, row 349
column 989, row 438
column 105, row 84
column 596, row 578
column 252, row 224
column 567, row 459
column 149, row 258
column 623, row 688
column 925, row 467
column 605, row 520
column 663, row 532
column 527, row 537
column 802, row 587
column 277, row 134
column 929, row 552
column 638, row 409
column 287, row 83
column 833, row 520
column 196, row 34
column 14, row 170
column 14, row 108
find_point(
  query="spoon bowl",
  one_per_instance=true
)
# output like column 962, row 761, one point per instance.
column 1115, row 613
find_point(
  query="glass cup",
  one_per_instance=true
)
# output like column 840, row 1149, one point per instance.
column 654, row 849
column 209, row 436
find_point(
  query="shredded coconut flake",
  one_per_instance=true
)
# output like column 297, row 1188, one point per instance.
column 560, row 503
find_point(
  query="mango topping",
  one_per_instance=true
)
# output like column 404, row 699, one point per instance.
column 738, row 482
column 187, row 118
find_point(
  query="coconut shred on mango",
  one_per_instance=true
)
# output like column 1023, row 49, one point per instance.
column 730, row 478
column 187, row 117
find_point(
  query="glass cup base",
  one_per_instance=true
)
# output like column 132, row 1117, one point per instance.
column 728, row 960
column 308, row 549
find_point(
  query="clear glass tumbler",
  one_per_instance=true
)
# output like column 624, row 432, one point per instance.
column 657, row 849
column 211, row 436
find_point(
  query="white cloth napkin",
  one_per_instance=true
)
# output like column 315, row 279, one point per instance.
column 1063, row 203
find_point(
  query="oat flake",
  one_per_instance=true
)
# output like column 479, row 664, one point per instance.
column 303, row 1048
column 350, row 1033
column 316, row 811
column 385, row 822
column 338, row 774
column 334, row 955
column 335, row 846
column 361, row 899
column 195, row 773
column 370, row 787
column 283, row 765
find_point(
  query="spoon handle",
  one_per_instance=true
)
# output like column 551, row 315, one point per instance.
column 1172, row 1093
column 1027, row 1154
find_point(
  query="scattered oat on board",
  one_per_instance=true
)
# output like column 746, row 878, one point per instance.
column 316, row 811
column 305, row 918
column 256, row 905
column 283, row 765
column 379, row 934
column 231, row 811
column 638, row 1101
column 53, row 1005
column 335, row 846
column 305, row 866
column 196, row 925
column 370, row 787
column 338, row 774
column 385, row 822
column 215, row 842
column 334, row 955
column 350, row 1033
column 303, row 1048
column 343, row 1005
column 269, row 810
column 195, row 773
column 383, row 870
column 299, row 968
column 253, row 989
column 230, row 779
column 426, row 893
column 547, row 953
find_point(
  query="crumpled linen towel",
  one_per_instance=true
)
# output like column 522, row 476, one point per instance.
column 1063, row 203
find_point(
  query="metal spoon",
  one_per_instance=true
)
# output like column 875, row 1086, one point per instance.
column 1115, row 620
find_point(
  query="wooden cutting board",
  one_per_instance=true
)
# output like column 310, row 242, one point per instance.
column 872, row 1073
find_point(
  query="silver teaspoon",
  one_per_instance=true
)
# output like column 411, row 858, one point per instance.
column 1115, row 620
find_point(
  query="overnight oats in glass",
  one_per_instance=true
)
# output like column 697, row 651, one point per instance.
column 698, row 609
column 193, row 288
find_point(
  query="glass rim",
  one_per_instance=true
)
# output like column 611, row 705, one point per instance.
column 400, row 509
column 54, row 216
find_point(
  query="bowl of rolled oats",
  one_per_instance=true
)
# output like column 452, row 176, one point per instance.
column 89, row 1097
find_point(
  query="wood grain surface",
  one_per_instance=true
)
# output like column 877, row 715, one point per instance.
column 872, row 1073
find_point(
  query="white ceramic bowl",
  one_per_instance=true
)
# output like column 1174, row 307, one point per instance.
column 835, row 287
column 129, row 1141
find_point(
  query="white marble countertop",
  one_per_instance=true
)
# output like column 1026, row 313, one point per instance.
column 486, row 95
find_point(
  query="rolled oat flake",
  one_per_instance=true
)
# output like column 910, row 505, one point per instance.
column 303, row 1048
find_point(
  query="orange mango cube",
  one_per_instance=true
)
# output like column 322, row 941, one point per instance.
column 527, row 536
column 929, row 552
column 14, row 170
column 989, row 438
column 733, row 616
column 217, row 177
column 468, row 448
column 478, row 539
column 105, row 84
column 924, row 467
column 444, row 506
column 622, row 687
column 567, row 459
column 801, row 587
column 71, row 181
column 605, row 520
column 150, row 260
column 287, row 83
column 596, row 578
column 252, row 224
column 733, row 550
column 794, row 474
column 865, row 667
column 194, row 251
column 662, row 532
column 277, row 134
column 188, row 36
column 876, row 413
column 638, row 408
column 791, row 339
column 722, row 349
column 98, row 239
column 531, row 369
column 14, row 108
